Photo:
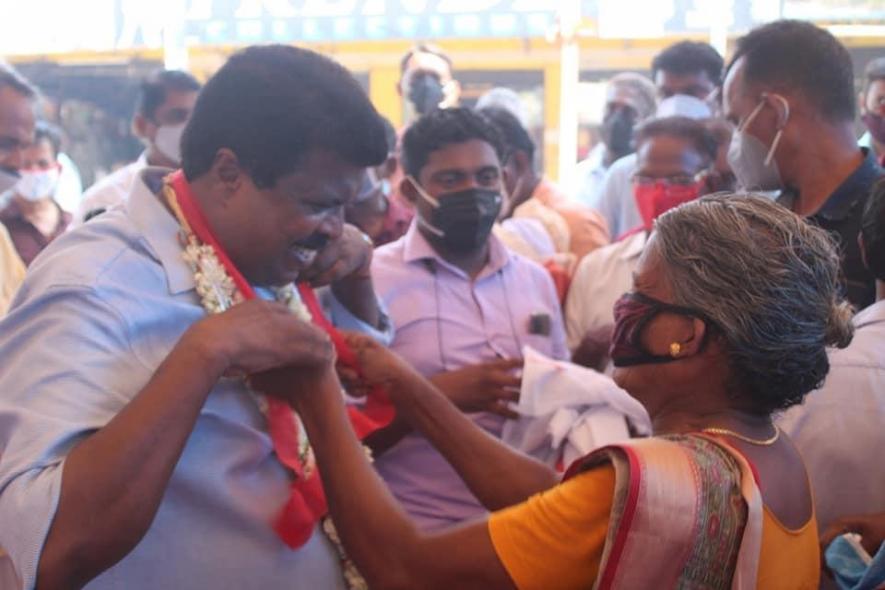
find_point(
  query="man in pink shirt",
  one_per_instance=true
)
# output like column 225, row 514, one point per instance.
column 463, row 305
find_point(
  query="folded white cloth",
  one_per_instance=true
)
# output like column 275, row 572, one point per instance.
column 567, row 411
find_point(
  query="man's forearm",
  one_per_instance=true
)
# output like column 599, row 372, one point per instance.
column 496, row 474
column 113, row 481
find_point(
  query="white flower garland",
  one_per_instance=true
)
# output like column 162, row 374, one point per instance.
column 218, row 292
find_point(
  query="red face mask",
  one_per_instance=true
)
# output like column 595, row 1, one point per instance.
column 655, row 199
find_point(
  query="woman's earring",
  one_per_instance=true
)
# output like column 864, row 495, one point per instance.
column 675, row 349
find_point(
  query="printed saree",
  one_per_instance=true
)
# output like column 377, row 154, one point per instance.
column 687, row 513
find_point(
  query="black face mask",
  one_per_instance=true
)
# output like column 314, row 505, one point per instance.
column 617, row 133
column 462, row 221
column 425, row 92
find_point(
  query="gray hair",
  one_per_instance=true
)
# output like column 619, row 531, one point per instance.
column 642, row 89
column 768, row 281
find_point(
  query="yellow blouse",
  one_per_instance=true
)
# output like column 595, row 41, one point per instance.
column 554, row 540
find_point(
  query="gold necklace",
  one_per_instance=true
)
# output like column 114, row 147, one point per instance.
column 753, row 441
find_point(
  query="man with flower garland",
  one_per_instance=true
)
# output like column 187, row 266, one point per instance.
column 137, row 451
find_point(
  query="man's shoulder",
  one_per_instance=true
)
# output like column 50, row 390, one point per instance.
column 866, row 350
column 107, row 251
column 389, row 266
column 119, row 179
column 611, row 254
column 110, row 190
column 522, row 268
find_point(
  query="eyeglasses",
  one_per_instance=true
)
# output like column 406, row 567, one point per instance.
column 676, row 180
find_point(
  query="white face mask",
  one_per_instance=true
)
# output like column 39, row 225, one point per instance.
column 36, row 185
column 168, row 141
column 752, row 163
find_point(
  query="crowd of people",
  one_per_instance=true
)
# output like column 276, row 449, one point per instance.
column 293, row 346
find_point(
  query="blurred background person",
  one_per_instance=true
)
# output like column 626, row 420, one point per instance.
column 674, row 155
column 789, row 91
column 872, row 108
column 692, row 68
column 574, row 228
column 507, row 99
column 368, row 209
column 426, row 81
column 165, row 103
column 630, row 99
column 687, row 73
column 33, row 217
column 17, row 114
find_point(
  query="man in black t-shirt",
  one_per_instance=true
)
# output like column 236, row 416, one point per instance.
column 790, row 91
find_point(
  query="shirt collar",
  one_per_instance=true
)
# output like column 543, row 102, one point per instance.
column 633, row 245
column 417, row 248
column 853, row 189
column 159, row 227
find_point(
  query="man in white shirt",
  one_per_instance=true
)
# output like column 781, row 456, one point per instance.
column 673, row 153
column 840, row 429
column 164, row 105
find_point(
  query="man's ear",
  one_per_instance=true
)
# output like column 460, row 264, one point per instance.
column 140, row 126
column 521, row 162
column 226, row 172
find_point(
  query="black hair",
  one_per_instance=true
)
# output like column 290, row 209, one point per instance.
column 689, row 57
column 444, row 127
column 48, row 132
column 685, row 128
column 872, row 229
column 514, row 135
column 389, row 135
column 271, row 105
column 423, row 48
column 799, row 56
column 874, row 72
column 10, row 78
column 155, row 88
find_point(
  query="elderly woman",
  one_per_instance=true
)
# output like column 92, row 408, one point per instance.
column 732, row 307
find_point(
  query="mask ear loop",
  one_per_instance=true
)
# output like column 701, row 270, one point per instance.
column 780, row 130
column 433, row 203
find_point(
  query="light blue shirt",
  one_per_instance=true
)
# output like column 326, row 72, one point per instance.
column 100, row 309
